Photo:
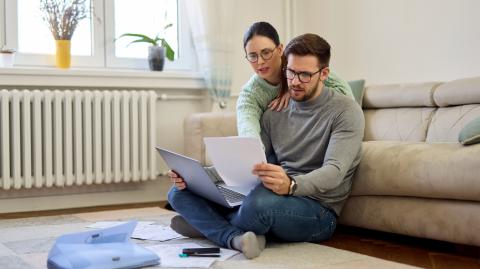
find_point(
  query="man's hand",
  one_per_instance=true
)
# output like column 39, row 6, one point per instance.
column 273, row 177
column 177, row 180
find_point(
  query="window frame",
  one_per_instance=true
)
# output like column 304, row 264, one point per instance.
column 2, row 23
column 103, row 47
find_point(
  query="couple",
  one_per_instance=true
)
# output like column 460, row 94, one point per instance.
column 312, row 137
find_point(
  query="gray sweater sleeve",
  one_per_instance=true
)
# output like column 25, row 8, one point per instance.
column 343, row 148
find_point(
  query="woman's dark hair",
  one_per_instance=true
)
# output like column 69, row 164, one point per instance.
column 261, row 28
column 265, row 29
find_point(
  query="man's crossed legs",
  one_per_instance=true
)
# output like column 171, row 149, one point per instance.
column 287, row 218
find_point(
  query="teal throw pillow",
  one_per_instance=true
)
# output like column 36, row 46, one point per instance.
column 358, row 89
column 470, row 133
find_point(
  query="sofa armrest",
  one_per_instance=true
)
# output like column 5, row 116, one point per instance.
column 210, row 124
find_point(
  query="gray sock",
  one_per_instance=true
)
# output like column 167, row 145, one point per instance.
column 250, row 244
column 181, row 226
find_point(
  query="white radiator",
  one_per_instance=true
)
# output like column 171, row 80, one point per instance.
column 63, row 138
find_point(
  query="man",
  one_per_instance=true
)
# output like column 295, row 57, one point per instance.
column 316, row 142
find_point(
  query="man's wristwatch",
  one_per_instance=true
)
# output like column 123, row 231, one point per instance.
column 293, row 186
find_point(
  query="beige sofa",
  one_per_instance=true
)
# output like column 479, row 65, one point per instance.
column 414, row 177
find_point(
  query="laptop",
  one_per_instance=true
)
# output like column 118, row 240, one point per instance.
column 203, row 181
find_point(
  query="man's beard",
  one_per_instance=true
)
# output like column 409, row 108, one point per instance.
column 308, row 93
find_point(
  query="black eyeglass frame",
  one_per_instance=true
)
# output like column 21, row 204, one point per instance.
column 257, row 56
column 298, row 74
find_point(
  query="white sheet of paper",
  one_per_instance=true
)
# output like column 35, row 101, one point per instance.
column 155, row 232
column 234, row 157
column 169, row 255
column 145, row 230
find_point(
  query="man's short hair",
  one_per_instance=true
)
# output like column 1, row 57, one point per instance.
column 310, row 44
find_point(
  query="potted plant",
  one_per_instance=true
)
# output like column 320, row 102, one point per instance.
column 157, row 51
column 63, row 16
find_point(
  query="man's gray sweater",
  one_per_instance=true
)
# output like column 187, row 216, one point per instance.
column 318, row 143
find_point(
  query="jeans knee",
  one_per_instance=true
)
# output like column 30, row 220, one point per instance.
column 261, row 200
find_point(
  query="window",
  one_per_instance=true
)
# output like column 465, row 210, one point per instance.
column 34, row 37
column 142, row 16
column 94, row 43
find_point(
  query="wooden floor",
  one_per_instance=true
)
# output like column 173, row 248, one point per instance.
column 402, row 249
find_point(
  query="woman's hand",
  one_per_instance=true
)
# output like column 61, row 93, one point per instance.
column 280, row 102
column 177, row 180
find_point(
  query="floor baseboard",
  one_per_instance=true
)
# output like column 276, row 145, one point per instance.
column 44, row 200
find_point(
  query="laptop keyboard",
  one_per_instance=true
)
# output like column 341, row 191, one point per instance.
column 212, row 173
column 230, row 195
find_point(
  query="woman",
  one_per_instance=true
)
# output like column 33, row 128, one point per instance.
column 267, row 88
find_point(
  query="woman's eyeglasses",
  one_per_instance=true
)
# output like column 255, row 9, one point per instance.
column 266, row 55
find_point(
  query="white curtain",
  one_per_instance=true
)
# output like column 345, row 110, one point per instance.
column 211, row 22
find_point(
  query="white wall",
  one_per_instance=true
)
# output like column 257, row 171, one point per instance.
column 396, row 40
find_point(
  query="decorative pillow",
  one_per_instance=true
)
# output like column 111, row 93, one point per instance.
column 358, row 89
column 470, row 133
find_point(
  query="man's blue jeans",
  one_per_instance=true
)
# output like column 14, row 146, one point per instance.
column 288, row 218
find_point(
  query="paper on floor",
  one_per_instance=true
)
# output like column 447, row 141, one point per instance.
column 169, row 255
column 155, row 232
column 144, row 230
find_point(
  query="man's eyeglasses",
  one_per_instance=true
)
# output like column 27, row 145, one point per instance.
column 266, row 55
column 304, row 77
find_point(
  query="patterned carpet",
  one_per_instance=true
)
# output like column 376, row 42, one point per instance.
column 25, row 242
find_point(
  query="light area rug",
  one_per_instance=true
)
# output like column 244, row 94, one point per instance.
column 25, row 242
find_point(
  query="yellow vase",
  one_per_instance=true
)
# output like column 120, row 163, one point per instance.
column 62, row 57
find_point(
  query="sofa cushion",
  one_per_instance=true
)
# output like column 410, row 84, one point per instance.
column 470, row 134
column 400, row 95
column 447, row 122
column 200, row 125
column 358, row 89
column 398, row 124
column 458, row 92
column 430, row 170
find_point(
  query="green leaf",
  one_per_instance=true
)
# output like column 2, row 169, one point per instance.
column 142, row 41
column 169, row 51
column 142, row 38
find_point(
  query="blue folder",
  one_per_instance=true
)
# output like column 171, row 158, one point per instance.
column 108, row 248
